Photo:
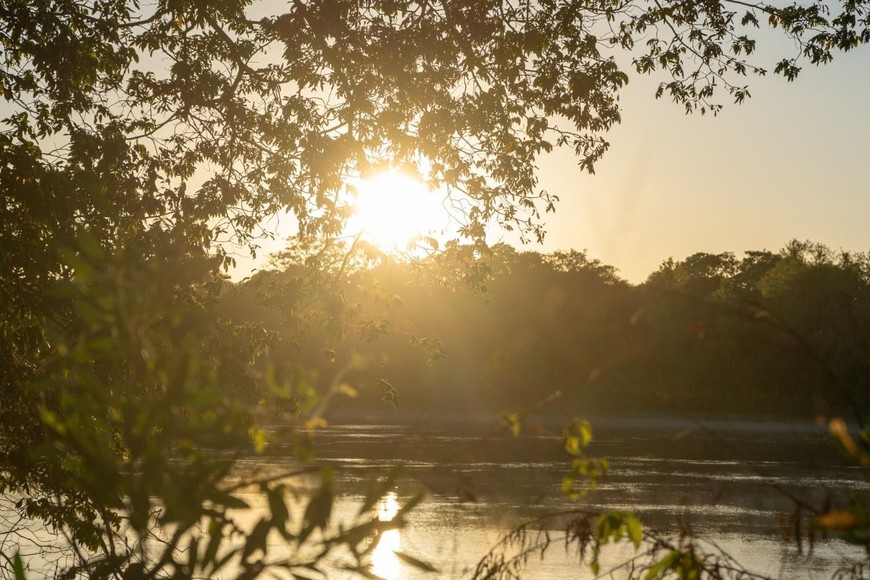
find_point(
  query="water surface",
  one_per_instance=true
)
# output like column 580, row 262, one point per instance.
column 731, row 486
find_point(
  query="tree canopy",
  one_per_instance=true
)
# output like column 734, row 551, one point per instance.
column 202, row 117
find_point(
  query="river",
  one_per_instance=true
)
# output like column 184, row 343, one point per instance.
column 730, row 486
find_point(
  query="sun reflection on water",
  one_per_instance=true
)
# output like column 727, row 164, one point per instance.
column 385, row 563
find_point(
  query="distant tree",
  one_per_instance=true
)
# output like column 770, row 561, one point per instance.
column 576, row 262
column 751, row 269
column 786, row 329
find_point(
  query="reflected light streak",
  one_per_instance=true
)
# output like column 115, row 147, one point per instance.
column 385, row 563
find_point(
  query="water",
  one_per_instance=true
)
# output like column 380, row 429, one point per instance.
column 732, row 488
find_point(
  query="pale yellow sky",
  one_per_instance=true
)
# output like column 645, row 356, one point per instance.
column 792, row 162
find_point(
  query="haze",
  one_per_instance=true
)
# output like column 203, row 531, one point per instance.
column 791, row 162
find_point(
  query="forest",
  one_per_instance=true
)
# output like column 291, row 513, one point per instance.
column 772, row 335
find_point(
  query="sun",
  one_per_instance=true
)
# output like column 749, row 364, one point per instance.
column 393, row 211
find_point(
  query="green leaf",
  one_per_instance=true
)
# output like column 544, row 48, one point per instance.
column 52, row 421
column 635, row 530
column 513, row 423
column 18, row 567
column 258, row 438
column 660, row 568
column 577, row 436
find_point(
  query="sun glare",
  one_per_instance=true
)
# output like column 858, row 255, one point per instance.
column 385, row 563
column 393, row 210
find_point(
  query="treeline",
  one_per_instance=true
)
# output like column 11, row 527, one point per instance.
column 782, row 333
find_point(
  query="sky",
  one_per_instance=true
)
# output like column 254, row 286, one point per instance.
column 792, row 162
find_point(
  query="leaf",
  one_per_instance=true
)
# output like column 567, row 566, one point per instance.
column 409, row 505
column 635, row 530
column 319, row 508
column 838, row 520
column 577, row 436
column 224, row 560
column 378, row 489
column 302, row 576
column 840, row 431
column 418, row 564
column 315, row 422
column 363, row 572
column 356, row 535
column 278, row 508
column 215, row 532
column 192, row 554
column 585, row 433
column 52, row 421
column 227, row 500
column 257, row 539
column 258, row 438
column 513, row 423
column 390, row 393
column 18, row 567
column 135, row 571
column 660, row 568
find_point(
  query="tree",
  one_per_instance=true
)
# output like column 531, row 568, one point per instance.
column 139, row 141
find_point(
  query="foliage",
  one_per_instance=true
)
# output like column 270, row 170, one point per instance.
column 577, row 436
column 143, row 447
column 586, row 534
column 205, row 117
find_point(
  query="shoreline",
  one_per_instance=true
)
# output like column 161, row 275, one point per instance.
column 718, row 423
